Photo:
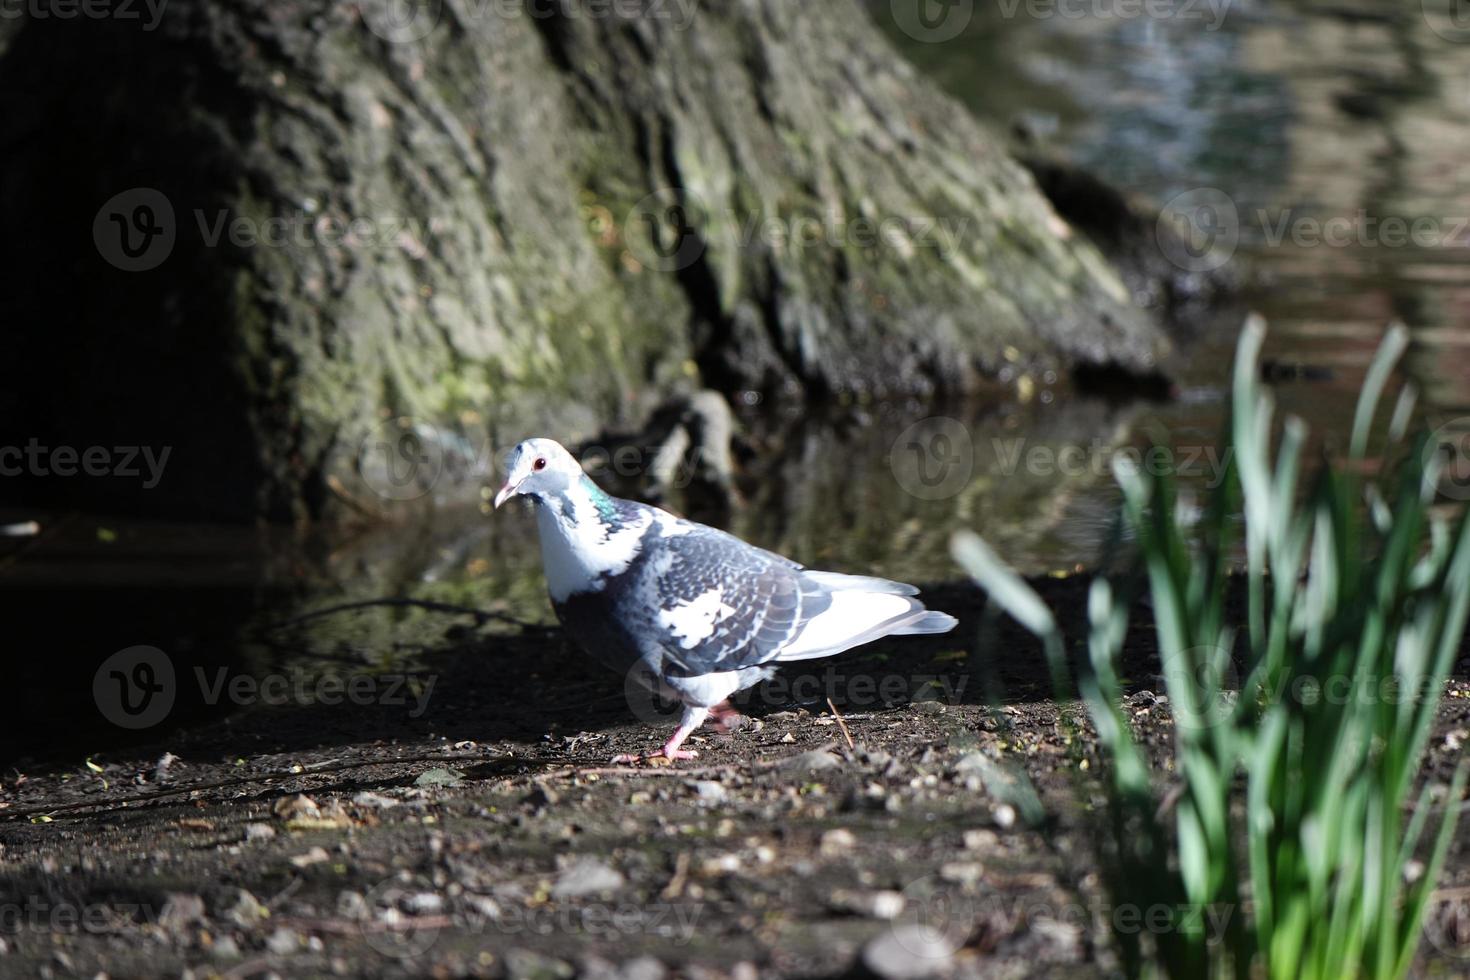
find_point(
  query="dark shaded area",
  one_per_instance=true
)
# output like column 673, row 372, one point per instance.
column 255, row 235
column 101, row 356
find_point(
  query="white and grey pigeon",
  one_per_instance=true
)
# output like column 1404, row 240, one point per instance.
column 688, row 610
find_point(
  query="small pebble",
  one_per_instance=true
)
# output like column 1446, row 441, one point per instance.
column 440, row 777
column 908, row 952
column 225, row 948
column 710, row 791
column 587, row 876
column 259, row 831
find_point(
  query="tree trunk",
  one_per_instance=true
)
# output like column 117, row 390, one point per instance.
column 260, row 233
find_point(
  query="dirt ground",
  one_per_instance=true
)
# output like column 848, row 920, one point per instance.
column 491, row 836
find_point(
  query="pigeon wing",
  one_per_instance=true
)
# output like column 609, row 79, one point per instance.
column 720, row 604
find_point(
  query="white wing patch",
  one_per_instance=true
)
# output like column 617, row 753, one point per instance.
column 671, row 526
column 852, row 618
column 693, row 622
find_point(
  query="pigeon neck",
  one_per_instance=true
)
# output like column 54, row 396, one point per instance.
column 583, row 539
column 582, row 507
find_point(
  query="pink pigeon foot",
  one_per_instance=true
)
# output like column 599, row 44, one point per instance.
column 693, row 718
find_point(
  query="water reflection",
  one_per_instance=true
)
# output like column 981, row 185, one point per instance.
column 1337, row 133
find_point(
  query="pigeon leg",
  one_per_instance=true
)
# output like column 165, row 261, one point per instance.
column 692, row 719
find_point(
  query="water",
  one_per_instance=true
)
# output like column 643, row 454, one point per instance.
column 1261, row 129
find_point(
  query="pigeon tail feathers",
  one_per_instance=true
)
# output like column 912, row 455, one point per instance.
column 858, row 614
column 930, row 622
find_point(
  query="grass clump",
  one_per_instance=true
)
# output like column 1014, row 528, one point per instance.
column 1299, row 731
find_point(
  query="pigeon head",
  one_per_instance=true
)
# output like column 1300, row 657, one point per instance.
column 538, row 468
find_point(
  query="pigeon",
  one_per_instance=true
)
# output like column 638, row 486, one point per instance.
column 690, row 611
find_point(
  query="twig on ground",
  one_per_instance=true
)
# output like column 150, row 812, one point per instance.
column 840, row 723
column 675, row 887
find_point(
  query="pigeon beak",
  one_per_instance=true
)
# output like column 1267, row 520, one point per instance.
column 506, row 492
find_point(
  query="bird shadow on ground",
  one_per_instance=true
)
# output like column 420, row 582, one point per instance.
column 533, row 688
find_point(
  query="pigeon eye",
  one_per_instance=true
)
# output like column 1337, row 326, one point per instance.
column 539, row 465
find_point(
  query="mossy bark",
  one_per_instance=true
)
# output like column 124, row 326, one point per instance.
column 497, row 220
